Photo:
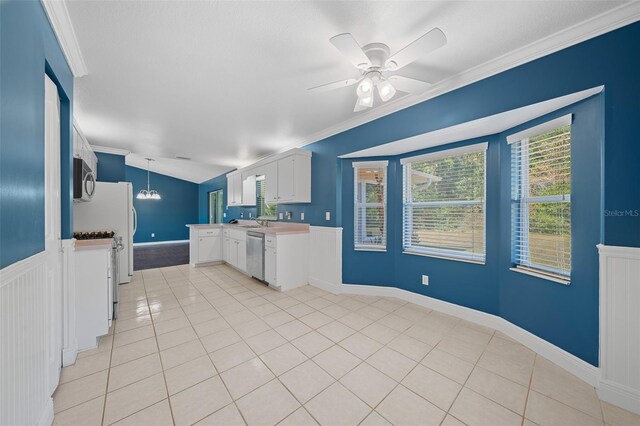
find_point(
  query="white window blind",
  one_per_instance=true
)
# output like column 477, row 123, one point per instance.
column 370, row 205
column 541, row 200
column 444, row 204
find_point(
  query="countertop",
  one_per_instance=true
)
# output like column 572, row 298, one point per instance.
column 97, row 244
column 275, row 228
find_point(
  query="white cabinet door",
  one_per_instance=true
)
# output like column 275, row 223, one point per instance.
column 270, row 265
column 233, row 252
column 249, row 191
column 286, row 179
column 208, row 249
column 226, row 247
column 242, row 256
column 271, row 182
column 230, row 193
column 237, row 189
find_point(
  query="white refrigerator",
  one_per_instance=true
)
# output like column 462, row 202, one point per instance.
column 110, row 209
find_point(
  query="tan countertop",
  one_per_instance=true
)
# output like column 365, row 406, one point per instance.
column 204, row 225
column 275, row 228
column 101, row 243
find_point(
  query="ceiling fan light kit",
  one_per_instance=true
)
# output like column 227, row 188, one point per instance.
column 373, row 60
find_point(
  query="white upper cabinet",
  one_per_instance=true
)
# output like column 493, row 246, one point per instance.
column 234, row 189
column 270, row 172
column 287, row 179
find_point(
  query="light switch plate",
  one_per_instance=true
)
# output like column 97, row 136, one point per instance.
column 280, row 216
column 327, row 215
column 425, row 280
column 301, row 216
column 153, row 235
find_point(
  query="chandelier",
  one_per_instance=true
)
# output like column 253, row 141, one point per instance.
column 148, row 194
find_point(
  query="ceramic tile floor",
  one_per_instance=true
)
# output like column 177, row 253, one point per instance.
column 211, row 346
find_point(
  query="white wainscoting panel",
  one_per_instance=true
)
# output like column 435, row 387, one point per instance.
column 24, row 343
column 69, row 334
column 620, row 326
column 325, row 257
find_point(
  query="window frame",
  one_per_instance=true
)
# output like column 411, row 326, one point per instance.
column 368, row 165
column 519, row 197
column 442, row 253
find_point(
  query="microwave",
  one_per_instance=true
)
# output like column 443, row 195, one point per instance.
column 84, row 180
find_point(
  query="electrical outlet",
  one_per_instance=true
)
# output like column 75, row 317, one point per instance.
column 327, row 215
column 280, row 216
column 425, row 280
column 249, row 215
column 153, row 235
column 301, row 216
column 224, row 215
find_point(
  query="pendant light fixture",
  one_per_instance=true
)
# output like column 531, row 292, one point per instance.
column 148, row 194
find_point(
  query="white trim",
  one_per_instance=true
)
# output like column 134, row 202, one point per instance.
column 159, row 243
column 60, row 21
column 565, row 120
column 46, row 417
column 453, row 152
column 560, row 357
column 619, row 326
column 549, row 277
column 69, row 334
column 610, row 20
column 11, row 272
column 368, row 164
column 109, row 150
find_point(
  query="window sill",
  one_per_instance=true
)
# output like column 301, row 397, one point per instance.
column 555, row 279
column 442, row 256
column 369, row 248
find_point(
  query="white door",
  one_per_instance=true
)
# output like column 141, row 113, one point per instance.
column 286, row 179
column 52, row 244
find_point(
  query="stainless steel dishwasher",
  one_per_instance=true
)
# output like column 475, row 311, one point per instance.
column 255, row 254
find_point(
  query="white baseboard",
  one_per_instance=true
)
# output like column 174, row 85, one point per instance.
column 619, row 395
column 46, row 417
column 562, row 358
column 158, row 243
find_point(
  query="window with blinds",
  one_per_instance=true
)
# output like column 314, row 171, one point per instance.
column 444, row 203
column 541, row 198
column 370, row 205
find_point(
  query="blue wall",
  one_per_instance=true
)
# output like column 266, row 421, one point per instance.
column 111, row 167
column 567, row 316
column 28, row 50
column 166, row 217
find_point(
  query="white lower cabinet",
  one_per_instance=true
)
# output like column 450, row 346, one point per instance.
column 209, row 249
column 205, row 244
column 270, row 266
column 286, row 260
column 235, row 248
column 93, row 295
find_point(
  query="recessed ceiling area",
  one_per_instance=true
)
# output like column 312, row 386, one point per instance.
column 225, row 83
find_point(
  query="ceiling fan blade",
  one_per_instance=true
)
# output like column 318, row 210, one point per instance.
column 429, row 42
column 349, row 47
column 335, row 85
column 408, row 85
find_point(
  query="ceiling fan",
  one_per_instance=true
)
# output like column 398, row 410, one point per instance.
column 374, row 63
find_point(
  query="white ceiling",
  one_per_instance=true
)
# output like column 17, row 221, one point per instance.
column 224, row 83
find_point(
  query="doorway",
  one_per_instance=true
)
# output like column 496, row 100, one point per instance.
column 216, row 206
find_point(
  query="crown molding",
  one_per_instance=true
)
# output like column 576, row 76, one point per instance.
column 60, row 20
column 613, row 19
column 109, row 150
